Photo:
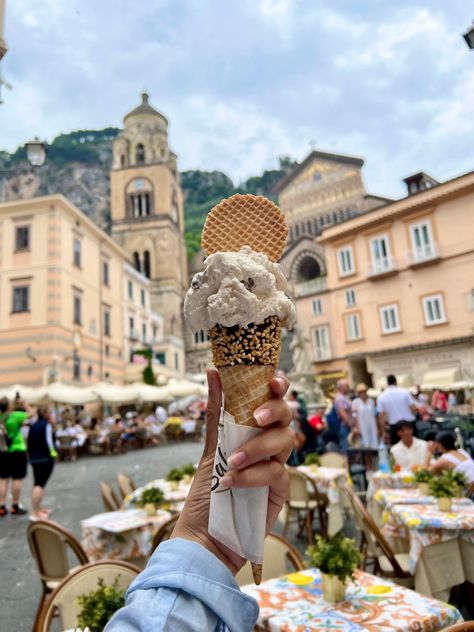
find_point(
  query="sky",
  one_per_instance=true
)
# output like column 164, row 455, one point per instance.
column 245, row 81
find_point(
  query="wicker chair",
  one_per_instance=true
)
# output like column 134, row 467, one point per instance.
column 109, row 497
column 279, row 558
column 63, row 601
column 49, row 544
column 164, row 533
column 304, row 497
column 333, row 459
column 126, row 485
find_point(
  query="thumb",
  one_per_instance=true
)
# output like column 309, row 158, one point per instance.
column 213, row 410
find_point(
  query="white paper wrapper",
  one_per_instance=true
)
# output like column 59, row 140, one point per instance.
column 237, row 517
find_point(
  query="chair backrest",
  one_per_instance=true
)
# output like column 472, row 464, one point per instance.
column 109, row 497
column 63, row 600
column 164, row 533
column 279, row 558
column 300, row 485
column 465, row 626
column 49, row 543
column 66, row 441
column 333, row 459
column 125, row 483
column 373, row 535
column 470, row 491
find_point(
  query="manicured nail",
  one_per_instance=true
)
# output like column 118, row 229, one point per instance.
column 236, row 459
column 262, row 416
column 226, row 482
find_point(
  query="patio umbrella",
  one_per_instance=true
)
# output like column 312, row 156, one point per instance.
column 61, row 393
column 31, row 394
column 116, row 395
column 184, row 388
column 154, row 394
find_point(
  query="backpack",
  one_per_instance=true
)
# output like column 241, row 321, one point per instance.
column 333, row 420
column 5, row 440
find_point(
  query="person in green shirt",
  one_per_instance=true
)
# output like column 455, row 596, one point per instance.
column 13, row 464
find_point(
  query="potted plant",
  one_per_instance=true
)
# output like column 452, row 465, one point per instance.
column 444, row 489
column 459, row 481
column 151, row 498
column 312, row 459
column 98, row 606
column 188, row 471
column 337, row 558
column 173, row 477
column 423, row 478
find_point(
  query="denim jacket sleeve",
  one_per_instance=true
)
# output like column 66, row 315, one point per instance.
column 185, row 588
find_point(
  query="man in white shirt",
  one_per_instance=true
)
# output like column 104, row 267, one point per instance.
column 393, row 405
column 409, row 451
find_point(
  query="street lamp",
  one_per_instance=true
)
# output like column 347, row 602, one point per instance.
column 469, row 36
column 36, row 154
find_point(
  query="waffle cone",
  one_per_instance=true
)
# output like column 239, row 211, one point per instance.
column 245, row 389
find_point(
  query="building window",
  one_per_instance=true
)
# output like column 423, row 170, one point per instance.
column 321, row 343
column 154, row 332
column 161, row 357
column 353, row 327
column 200, row 337
column 105, row 272
column 176, row 361
column 22, row 238
column 21, row 299
column 422, row 241
column 130, row 290
column 350, row 298
column 381, row 260
column 107, row 321
column 76, row 367
column 346, row 261
column 123, row 160
column 317, row 307
column 142, row 297
column 470, row 300
column 140, row 154
column 131, row 326
column 146, row 264
column 389, row 319
column 144, row 332
column 107, row 350
column 76, row 257
column 433, row 308
column 140, row 204
column 77, row 309
column 136, row 261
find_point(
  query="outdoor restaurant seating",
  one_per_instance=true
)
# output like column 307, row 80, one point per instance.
column 50, row 544
column 64, row 600
column 109, row 497
column 67, row 447
column 126, row 485
column 333, row 459
column 304, row 498
column 164, row 533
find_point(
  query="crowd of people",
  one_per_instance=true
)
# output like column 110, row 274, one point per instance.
column 39, row 437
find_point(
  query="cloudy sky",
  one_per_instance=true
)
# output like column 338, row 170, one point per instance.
column 243, row 81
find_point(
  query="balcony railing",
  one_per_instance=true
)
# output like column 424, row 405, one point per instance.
column 428, row 252
column 381, row 266
column 306, row 288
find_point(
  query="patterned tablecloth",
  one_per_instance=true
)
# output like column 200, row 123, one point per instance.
column 327, row 480
column 175, row 496
column 120, row 535
column 389, row 480
column 425, row 525
column 294, row 603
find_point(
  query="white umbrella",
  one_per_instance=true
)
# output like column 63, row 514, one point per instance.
column 32, row 395
column 74, row 395
column 184, row 388
column 150, row 393
column 116, row 395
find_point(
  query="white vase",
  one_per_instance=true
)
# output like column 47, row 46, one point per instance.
column 333, row 588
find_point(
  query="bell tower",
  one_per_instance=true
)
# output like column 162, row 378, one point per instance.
column 148, row 220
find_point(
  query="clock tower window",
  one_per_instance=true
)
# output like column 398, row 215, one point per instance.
column 146, row 264
column 140, row 154
column 139, row 204
column 136, row 262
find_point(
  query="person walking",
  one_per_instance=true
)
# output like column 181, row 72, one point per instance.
column 343, row 408
column 363, row 408
column 42, row 454
column 14, row 461
column 395, row 404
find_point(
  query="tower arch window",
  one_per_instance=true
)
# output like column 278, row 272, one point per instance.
column 136, row 261
column 140, row 154
column 123, row 160
column 139, row 198
column 146, row 264
column 306, row 267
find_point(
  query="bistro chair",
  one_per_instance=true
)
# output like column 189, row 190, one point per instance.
column 67, row 447
column 386, row 562
column 164, row 532
column 109, row 497
column 304, row 497
column 126, row 485
column 50, row 544
column 465, row 626
column 333, row 459
column 279, row 558
column 63, row 602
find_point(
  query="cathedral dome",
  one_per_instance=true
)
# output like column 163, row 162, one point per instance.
column 145, row 108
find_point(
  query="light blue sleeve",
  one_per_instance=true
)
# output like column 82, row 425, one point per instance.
column 185, row 588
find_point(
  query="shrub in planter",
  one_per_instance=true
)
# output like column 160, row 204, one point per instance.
column 188, row 470
column 174, row 476
column 312, row 459
column 151, row 498
column 98, row 606
column 337, row 558
column 423, row 478
column 444, row 489
column 459, row 480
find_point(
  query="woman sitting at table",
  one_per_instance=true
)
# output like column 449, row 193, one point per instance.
column 451, row 458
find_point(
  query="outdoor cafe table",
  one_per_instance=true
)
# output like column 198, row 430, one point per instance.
column 327, row 481
column 121, row 535
column 441, row 544
column 294, row 603
column 175, row 496
column 390, row 480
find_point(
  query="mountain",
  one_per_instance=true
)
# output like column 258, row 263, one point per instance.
column 78, row 166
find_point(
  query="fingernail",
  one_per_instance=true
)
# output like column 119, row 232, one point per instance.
column 226, row 482
column 262, row 416
column 236, row 459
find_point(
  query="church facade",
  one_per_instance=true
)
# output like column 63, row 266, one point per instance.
column 148, row 220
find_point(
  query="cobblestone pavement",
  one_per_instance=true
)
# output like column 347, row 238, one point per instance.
column 73, row 494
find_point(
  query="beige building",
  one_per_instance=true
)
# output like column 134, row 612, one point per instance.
column 198, row 347
column 3, row 44
column 143, row 327
column 148, row 220
column 399, row 296
column 61, row 281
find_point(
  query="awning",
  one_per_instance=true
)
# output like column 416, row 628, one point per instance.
column 405, row 380
column 441, row 378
